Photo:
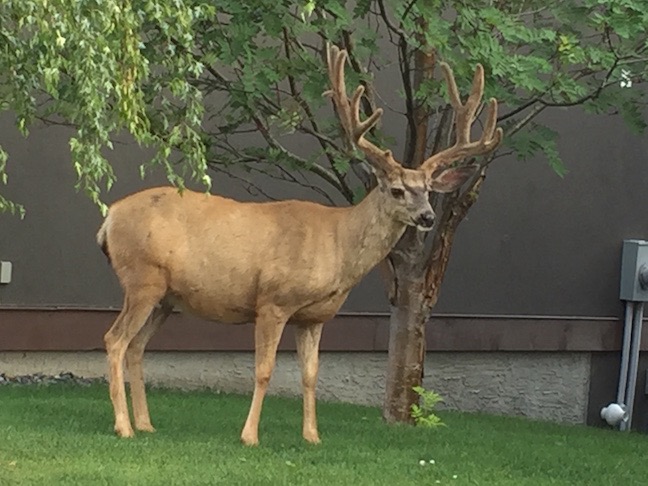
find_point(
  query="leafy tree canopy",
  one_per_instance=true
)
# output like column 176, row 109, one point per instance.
column 105, row 66
column 197, row 77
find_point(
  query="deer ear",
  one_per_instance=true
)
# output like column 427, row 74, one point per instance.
column 448, row 180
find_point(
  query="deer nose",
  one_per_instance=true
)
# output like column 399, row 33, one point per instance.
column 426, row 220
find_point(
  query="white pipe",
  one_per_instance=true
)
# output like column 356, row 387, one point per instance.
column 634, row 363
column 625, row 352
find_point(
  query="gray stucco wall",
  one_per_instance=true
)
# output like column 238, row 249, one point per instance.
column 547, row 386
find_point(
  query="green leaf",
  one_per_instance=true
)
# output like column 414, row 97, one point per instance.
column 536, row 139
column 341, row 164
column 633, row 114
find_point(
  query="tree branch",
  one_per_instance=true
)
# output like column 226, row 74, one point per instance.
column 248, row 159
column 524, row 121
column 424, row 62
column 390, row 25
column 344, row 187
column 439, row 256
column 326, row 174
column 410, row 134
column 403, row 61
column 443, row 129
column 247, row 184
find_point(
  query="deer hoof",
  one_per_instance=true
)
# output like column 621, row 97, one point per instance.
column 249, row 440
column 124, row 432
column 145, row 428
column 312, row 438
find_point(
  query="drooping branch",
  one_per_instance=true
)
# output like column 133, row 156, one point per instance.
column 294, row 91
column 592, row 95
column 241, row 157
column 248, row 185
column 317, row 169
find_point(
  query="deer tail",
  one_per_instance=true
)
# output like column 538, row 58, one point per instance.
column 102, row 237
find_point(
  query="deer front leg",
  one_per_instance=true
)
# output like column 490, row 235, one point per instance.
column 308, row 339
column 269, row 325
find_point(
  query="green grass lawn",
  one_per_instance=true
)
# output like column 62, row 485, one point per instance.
column 62, row 434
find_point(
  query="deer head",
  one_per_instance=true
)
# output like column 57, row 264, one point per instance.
column 406, row 191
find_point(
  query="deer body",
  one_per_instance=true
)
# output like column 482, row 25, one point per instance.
column 222, row 258
column 274, row 262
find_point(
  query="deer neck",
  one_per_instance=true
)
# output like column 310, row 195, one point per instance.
column 369, row 232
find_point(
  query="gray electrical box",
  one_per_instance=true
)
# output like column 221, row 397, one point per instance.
column 634, row 271
column 5, row 272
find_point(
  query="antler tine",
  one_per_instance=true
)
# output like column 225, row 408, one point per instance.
column 477, row 90
column 464, row 117
column 349, row 111
column 453, row 91
column 369, row 123
column 492, row 134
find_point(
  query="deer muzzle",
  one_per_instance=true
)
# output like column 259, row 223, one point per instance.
column 425, row 221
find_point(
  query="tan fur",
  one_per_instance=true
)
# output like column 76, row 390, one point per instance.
column 274, row 263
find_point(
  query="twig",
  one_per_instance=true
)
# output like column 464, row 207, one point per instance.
column 323, row 140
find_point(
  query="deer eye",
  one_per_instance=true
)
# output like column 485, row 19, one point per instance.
column 398, row 193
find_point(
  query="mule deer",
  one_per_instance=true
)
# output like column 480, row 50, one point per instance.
column 277, row 263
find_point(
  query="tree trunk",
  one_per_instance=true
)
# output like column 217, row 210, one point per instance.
column 416, row 277
column 407, row 326
column 406, row 349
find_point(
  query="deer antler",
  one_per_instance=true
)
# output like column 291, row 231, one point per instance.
column 464, row 117
column 349, row 112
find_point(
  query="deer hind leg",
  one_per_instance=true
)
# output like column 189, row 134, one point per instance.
column 308, row 339
column 134, row 357
column 138, row 305
column 268, row 328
